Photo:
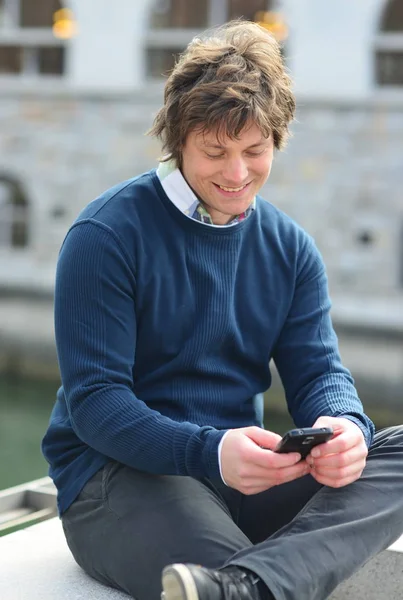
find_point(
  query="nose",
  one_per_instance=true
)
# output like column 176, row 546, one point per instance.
column 235, row 172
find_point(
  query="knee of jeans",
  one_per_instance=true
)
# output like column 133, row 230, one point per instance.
column 388, row 436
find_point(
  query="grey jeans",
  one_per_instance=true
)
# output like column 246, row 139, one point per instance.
column 301, row 538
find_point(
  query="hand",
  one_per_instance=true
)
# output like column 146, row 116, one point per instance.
column 342, row 459
column 249, row 464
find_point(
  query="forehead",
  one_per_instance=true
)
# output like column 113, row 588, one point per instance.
column 217, row 138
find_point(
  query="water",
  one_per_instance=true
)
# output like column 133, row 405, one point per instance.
column 24, row 413
column 25, row 408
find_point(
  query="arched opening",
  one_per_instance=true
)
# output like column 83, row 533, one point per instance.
column 173, row 23
column 14, row 214
column 34, row 50
column 389, row 46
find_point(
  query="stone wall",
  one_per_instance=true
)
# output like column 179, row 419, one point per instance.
column 341, row 176
column 342, row 179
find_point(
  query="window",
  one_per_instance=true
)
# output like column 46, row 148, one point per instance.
column 13, row 214
column 174, row 23
column 38, row 14
column 28, row 46
column 389, row 46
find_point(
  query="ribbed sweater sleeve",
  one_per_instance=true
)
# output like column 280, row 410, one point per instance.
column 306, row 354
column 95, row 326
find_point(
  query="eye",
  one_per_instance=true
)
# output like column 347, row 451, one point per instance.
column 256, row 153
column 212, row 156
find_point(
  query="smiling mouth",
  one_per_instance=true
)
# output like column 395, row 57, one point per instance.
column 231, row 189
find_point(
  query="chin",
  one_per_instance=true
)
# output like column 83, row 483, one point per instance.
column 241, row 206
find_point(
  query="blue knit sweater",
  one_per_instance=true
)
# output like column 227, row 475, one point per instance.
column 165, row 328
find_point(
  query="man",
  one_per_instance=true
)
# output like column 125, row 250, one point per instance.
column 174, row 290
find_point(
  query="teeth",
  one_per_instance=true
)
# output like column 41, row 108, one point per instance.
column 232, row 189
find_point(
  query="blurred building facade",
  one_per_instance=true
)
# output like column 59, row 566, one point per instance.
column 81, row 81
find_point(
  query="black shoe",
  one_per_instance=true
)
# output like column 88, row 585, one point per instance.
column 192, row 582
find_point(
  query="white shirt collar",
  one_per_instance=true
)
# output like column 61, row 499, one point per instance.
column 177, row 188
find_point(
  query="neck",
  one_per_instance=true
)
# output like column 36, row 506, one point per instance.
column 217, row 217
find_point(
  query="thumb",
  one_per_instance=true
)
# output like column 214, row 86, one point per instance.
column 263, row 438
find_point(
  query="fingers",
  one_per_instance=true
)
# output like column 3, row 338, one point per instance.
column 287, row 474
column 337, row 478
column 346, row 435
column 250, row 466
column 258, row 482
column 333, row 461
column 341, row 460
column 261, row 452
column 276, row 476
column 273, row 460
column 245, row 464
column 262, row 437
column 338, row 470
column 340, row 443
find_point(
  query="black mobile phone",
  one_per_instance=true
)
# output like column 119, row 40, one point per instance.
column 304, row 439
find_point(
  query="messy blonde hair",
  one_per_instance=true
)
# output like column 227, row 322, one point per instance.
column 229, row 77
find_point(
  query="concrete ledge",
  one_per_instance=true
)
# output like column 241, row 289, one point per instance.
column 369, row 316
column 36, row 564
column 380, row 579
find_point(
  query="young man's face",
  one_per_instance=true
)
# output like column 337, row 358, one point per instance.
column 227, row 174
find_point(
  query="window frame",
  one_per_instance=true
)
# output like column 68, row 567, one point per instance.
column 386, row 42
column 15, row 214
column 176, row 39
column 30, row 40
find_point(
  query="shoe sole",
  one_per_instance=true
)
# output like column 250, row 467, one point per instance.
column 178, row 584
